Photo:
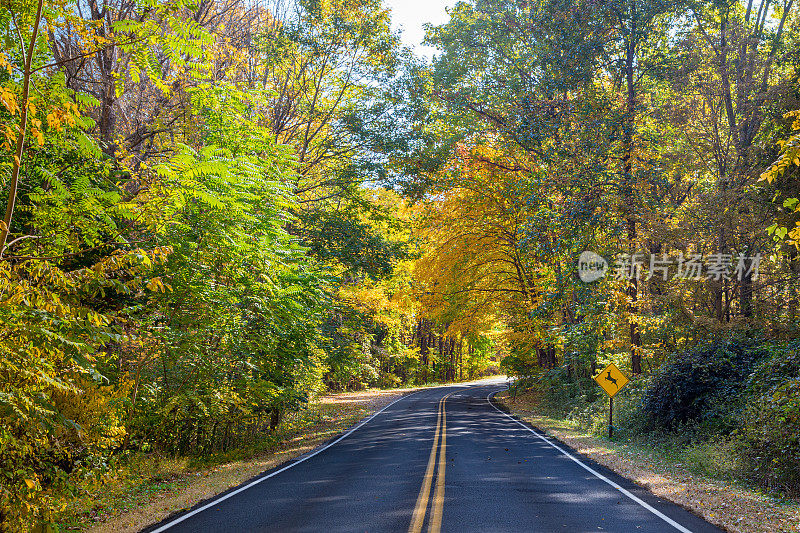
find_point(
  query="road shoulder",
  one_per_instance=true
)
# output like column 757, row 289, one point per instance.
column 732, row 508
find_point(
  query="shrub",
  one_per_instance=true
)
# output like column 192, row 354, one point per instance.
column 715, row 457
column 770, row 427
column 771, row 434
column 776, row 370
column 704, row 385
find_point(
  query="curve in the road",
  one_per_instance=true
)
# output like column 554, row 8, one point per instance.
column 387, row 473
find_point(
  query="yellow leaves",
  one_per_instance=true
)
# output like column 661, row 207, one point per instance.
column 790, row 152
column 30, row 483
column 65, row 116
column 96, row 319
column 6, row 64
column 790, row 156
column 145, row 258
column 9, row 100
column 365, row 297
column 10, row 135
column 156, row 285
column 37, row 134
column 471, row 271
column 794, row 235
column 378, row 300
column 54, row 121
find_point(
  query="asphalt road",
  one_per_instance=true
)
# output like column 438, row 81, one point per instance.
column 441, row 459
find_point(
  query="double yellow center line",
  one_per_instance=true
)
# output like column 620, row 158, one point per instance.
column 418, row 518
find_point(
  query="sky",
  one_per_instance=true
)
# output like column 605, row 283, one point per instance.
column 410, row 15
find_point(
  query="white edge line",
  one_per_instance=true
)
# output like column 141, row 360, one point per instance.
column 183, row 517
column 595, row 473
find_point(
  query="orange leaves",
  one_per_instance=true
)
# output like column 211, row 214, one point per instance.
column 60, row 115
column 53, row 121
column 36, row 133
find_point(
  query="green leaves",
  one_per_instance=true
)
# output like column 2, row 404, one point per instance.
column 144, row 38
column 237, row 303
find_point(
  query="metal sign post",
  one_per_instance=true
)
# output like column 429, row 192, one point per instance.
column 611, row 379
column 610, row 417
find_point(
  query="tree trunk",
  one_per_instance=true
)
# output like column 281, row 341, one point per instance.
column 629, row 123
column 23, row 124
column 551, row 356
column 460, row 358
column 275, row 418
column 424, row 347
column 746, row 295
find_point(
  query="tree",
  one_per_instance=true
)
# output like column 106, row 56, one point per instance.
column 743, row 54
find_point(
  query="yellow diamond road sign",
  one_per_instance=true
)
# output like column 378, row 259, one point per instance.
column 611, row 379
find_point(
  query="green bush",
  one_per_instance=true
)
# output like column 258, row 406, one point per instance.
column 740, row 392
column 776, row 370
column 716, row 457
column 771, row 434
column 704, row 385
column 770, row 427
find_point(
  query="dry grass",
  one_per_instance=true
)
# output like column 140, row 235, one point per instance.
column 734, row 508
column 138, row 499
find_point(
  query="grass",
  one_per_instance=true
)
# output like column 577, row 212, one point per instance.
column 702, row 477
